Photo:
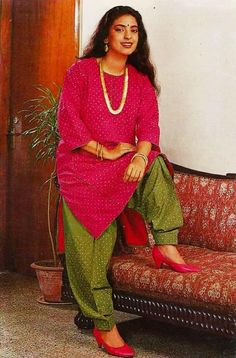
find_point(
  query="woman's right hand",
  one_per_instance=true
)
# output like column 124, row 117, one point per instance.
column 121, row 149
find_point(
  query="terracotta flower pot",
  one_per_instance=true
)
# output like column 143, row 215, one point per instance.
column 50, row 280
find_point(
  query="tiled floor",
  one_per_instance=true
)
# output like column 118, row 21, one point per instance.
column 32, row 330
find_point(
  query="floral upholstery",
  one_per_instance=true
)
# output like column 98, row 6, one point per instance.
column 209, row 210
column 207, row 239
column 213, row 287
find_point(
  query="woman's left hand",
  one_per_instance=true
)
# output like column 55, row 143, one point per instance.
column 135, row 170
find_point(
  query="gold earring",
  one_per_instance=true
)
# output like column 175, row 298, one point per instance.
column 106, row 47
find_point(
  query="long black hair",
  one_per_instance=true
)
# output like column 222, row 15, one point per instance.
column 139, row 58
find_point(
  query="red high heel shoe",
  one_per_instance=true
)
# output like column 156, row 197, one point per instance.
column 124, row 351
column 160, row 259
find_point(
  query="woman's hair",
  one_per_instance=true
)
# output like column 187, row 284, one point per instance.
column 139, row 58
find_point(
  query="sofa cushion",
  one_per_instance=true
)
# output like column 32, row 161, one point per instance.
column 214, row 287
column 209, row 210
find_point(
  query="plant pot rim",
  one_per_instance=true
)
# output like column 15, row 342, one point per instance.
column 46, row 265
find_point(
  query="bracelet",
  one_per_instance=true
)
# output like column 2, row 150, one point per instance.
column 145, row 158
column 98, row 147
column 99, row 150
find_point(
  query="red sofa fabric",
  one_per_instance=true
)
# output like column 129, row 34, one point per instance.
column 209, row 209
column 213, row 287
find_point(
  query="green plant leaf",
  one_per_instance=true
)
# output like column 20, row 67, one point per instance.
column 41, row 118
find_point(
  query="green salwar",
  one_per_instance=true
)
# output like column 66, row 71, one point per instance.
column 87, row 260
column 155, row 198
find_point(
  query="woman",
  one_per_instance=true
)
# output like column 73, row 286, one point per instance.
column 108, row 157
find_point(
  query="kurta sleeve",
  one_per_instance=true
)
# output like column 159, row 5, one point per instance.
column 71, row 127
column 148, row 118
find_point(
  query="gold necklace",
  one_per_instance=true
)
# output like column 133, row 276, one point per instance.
column 105, row 93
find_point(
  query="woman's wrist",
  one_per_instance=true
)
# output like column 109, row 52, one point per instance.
column 142, row 156
column 107, row 153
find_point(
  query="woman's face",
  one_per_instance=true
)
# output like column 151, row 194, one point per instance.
column 123, row 35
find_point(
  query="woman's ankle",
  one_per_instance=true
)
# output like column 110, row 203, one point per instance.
column 171, row 252
column 166, row 248
column 112, row 337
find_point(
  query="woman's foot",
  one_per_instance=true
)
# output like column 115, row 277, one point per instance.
column 169, row 255
column 113, row 347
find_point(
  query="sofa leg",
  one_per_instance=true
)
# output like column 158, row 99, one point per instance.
column 83, row 322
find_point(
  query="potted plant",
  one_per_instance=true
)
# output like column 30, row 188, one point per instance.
column 41, row 117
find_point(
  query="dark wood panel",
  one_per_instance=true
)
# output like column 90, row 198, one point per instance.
column 5, row 59
column 3, row 196
column 44, row 46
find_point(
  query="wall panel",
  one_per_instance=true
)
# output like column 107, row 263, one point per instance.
column 193, row 47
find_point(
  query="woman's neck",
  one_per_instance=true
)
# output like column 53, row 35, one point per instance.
column 114, row 65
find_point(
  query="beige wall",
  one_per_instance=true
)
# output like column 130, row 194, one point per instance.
column 193, row 44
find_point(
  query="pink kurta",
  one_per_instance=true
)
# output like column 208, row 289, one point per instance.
column 93, row 189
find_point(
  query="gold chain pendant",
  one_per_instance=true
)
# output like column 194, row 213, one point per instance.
column 105, row 93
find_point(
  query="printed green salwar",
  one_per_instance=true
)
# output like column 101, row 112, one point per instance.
column 155, row 198
column 87, row 260
column 87, row 263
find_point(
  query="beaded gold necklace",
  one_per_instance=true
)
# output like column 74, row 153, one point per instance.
column 105, row 93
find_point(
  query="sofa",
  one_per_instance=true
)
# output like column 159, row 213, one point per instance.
column 205, row 300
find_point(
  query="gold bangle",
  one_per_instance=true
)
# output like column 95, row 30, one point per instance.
column 101, row 153
column 141, row 155
column 98, row 149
